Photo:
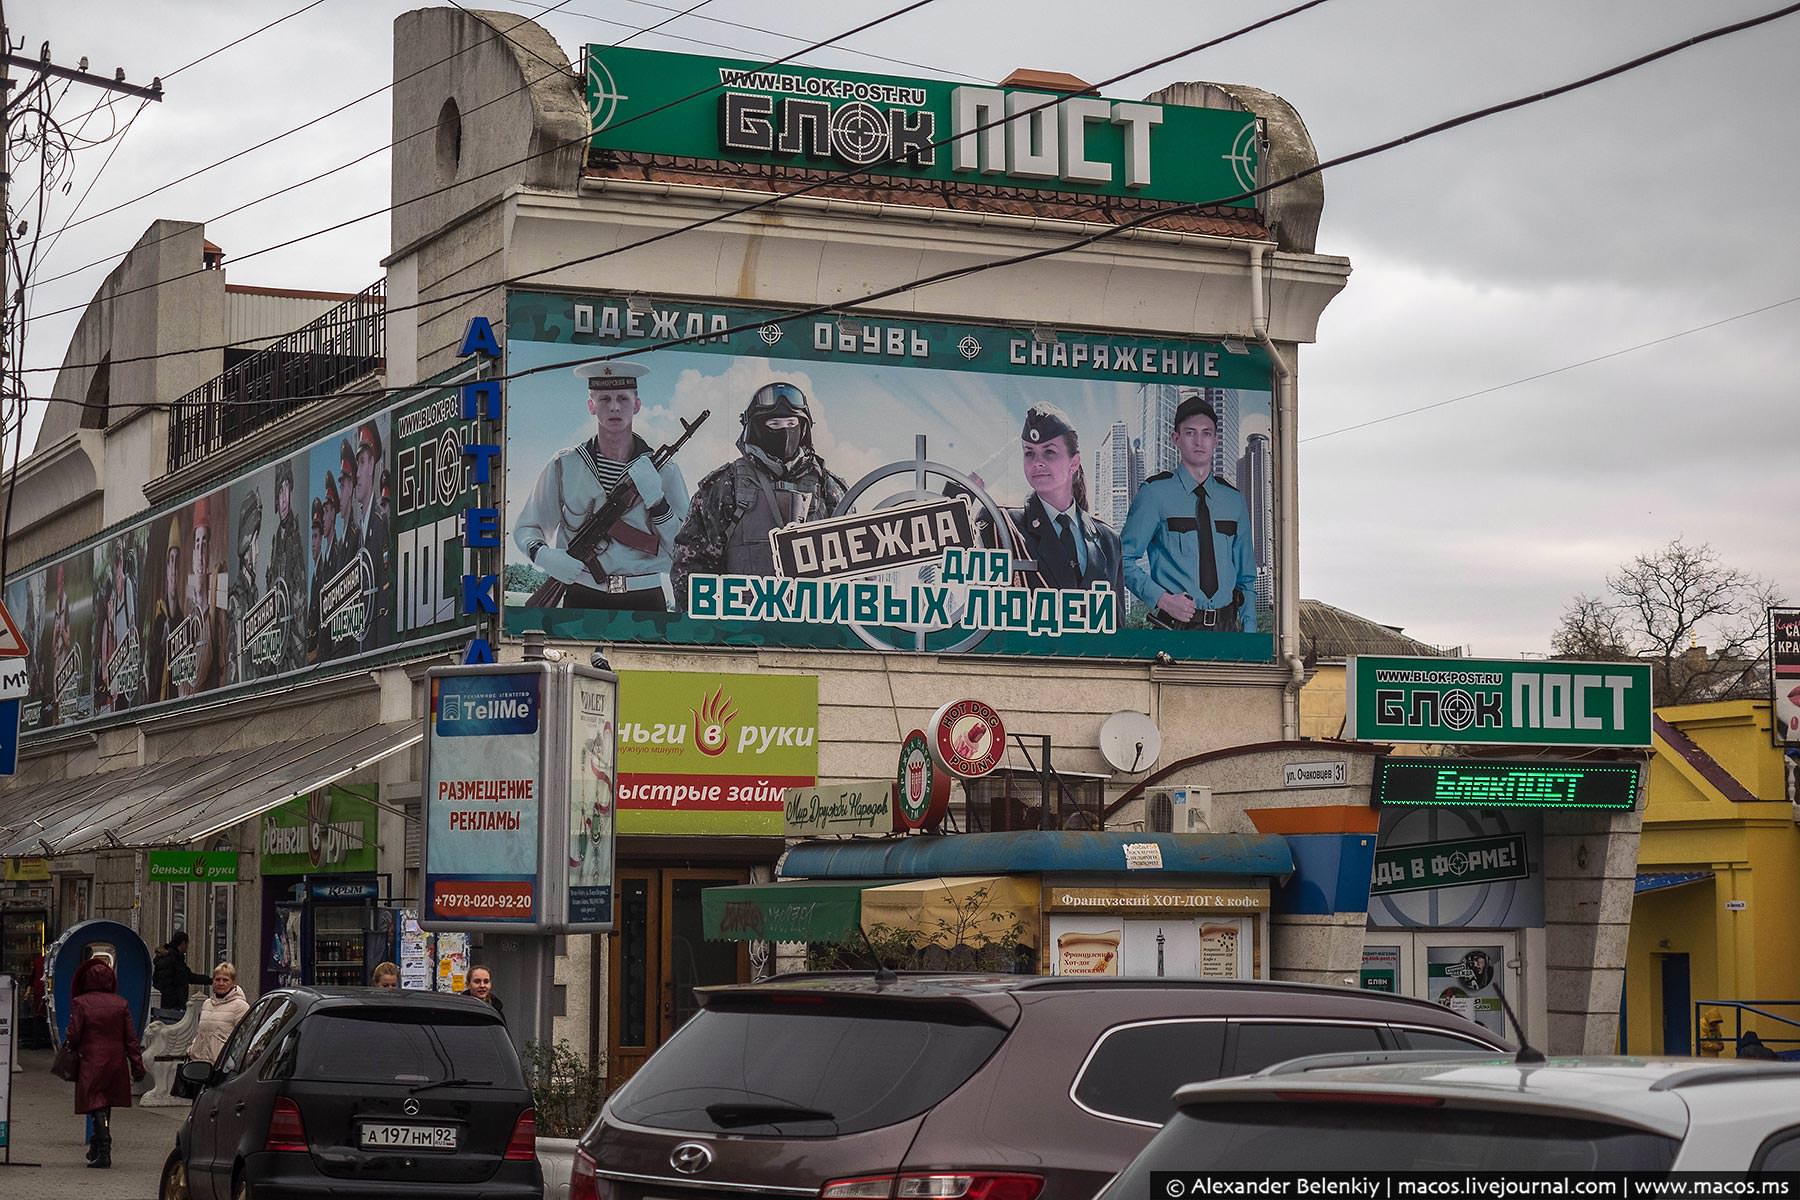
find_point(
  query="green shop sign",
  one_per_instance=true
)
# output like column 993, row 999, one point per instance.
column 686, row 106
column 1478, row 783
column 193, row 866
column 1498, row 702
column 1450, row 864
column 331, row 830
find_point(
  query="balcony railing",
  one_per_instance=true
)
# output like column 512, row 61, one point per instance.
column 314, row 361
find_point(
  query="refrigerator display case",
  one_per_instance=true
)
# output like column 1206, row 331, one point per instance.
column 21, row 941
column 333, row 934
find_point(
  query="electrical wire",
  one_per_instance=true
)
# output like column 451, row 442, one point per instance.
column 242, row 40
column 555, row 147
column 686, row 12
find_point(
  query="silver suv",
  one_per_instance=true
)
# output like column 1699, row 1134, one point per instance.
column 1482, row 1114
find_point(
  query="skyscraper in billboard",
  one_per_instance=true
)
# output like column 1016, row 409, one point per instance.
column 1257, row 485
column 1116, row 475
column 1153, row 427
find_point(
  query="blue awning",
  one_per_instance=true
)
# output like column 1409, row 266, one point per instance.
column 1656, row 881
column 1032, row 852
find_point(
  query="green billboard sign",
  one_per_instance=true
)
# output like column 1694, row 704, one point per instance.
column 687, row 106
column 331, row 830
column 193, row 866
column 1498, row 702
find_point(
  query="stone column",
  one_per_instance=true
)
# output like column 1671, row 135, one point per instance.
column 1590, row 876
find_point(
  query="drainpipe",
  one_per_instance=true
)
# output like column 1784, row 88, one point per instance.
column 1287, row 511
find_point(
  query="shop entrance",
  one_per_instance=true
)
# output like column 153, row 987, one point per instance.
column 1458, row 970
column 658, row 955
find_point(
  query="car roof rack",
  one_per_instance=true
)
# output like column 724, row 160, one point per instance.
column 1725, row 1072
column 1367, row 1058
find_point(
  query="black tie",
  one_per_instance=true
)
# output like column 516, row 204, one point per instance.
column 1067, row 537
column 1209, row 566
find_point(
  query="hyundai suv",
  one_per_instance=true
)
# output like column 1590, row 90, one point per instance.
column 849, row 1087
column 370, row 1091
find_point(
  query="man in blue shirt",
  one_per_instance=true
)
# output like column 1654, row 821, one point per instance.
column 1187, row 544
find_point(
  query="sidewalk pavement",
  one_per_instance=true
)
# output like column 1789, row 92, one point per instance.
column 46, row 1130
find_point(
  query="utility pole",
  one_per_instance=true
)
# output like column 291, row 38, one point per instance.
column 43, row 67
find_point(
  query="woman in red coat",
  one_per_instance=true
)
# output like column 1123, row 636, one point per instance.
column 105, row 1040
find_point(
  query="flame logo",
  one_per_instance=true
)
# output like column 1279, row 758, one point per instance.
column 711, row 721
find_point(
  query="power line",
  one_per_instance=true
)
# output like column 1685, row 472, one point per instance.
column 117, row 141
column 665, row 21
column 582, row 139
column 242, row 40
column 1586, row 362
column 1078, row 243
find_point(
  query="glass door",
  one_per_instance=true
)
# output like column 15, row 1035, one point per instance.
column 1465, row 973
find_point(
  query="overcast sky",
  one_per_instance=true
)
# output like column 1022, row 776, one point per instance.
column 1637, row 209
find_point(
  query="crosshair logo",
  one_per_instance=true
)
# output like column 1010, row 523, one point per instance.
column 1243, row 156
column 604, row 96
column 859, row 134
column 770, row 333
column 968, row 347
column 1458, row 709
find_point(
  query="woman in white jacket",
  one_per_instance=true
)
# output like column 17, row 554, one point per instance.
column 223, row 1007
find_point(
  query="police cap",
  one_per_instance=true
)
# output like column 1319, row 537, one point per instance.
column 1046, row 421
column 1195, row 405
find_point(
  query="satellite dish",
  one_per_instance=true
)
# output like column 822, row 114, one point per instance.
column 1130, row 741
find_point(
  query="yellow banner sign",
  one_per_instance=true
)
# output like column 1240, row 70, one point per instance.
column 1155, row 900
column 24, row 870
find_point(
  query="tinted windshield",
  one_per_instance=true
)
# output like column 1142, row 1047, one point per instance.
column 1381, row 1137
column 404, row 1048
column 805, row 1069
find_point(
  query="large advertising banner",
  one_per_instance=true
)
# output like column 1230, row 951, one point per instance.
column 483, row 799
column 300, row 561
column 1784, row 674
column 1536, row 702
column 889, row 485
column 593, row 797
column 712, row 754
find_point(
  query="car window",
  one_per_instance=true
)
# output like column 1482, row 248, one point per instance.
column 404, row 1046
column 1264, row 1043
column 1372, row 1136
column 1133, row 1071
column 232, row 1054
column 1438, row 1039
column 1779, row 1152
column 806, row 1067
column 263, row 1034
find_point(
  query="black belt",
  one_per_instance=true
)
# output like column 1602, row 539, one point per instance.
column 1204, row 618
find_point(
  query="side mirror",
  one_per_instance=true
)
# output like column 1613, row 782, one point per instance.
column 197, row 1075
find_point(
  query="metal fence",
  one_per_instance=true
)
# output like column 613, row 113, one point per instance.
column 309, row 364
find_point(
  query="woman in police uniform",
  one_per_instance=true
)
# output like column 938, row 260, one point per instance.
column 1072, row 549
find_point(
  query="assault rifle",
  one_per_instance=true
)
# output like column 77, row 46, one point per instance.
column 585, row 545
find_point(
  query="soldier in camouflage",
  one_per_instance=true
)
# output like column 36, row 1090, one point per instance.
column 777, row 479
column 287, row 570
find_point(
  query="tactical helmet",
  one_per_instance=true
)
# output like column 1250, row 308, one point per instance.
column 776, row 400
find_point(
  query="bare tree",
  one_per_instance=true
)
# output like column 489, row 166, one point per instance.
column 1700, row 624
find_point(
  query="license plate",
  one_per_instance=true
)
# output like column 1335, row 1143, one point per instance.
column 408, row 1137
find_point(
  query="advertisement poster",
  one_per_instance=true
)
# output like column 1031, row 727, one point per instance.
column 1380, row 969
column 483, row 794
column 1171, row 947
column 331, row 830
column 297, row 562
column 452, row 962
column 592, row 797
column 1784, row 674
column 1461, row 978
column 712, row 754
column 1446, row 868
column 888, row 485
column 9, row 1034
column 418, row 953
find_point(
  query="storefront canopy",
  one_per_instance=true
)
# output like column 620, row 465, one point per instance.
column 1037, row 852
column 185, row 800
column 1656, row 881
column 946, row 911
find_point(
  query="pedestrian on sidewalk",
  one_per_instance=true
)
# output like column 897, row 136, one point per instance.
column 481, row 986
column 387, row 975
column 104, row 1040
column 224, row 1006
column 171, row 976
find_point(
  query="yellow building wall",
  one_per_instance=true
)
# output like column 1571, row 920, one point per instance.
column 1753, row 849
column 1322, row 702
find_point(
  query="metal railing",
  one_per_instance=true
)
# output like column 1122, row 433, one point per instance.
column 314, row 361
column 1779, row 1031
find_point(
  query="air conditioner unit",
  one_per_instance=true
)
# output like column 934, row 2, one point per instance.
column 1179, row 810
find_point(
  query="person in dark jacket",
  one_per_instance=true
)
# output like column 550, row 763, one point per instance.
column 481, row 986
column 1751, row 1046
column 171, row 976
column 105, row 1041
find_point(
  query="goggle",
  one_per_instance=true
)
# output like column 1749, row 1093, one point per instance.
column 775, row 394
